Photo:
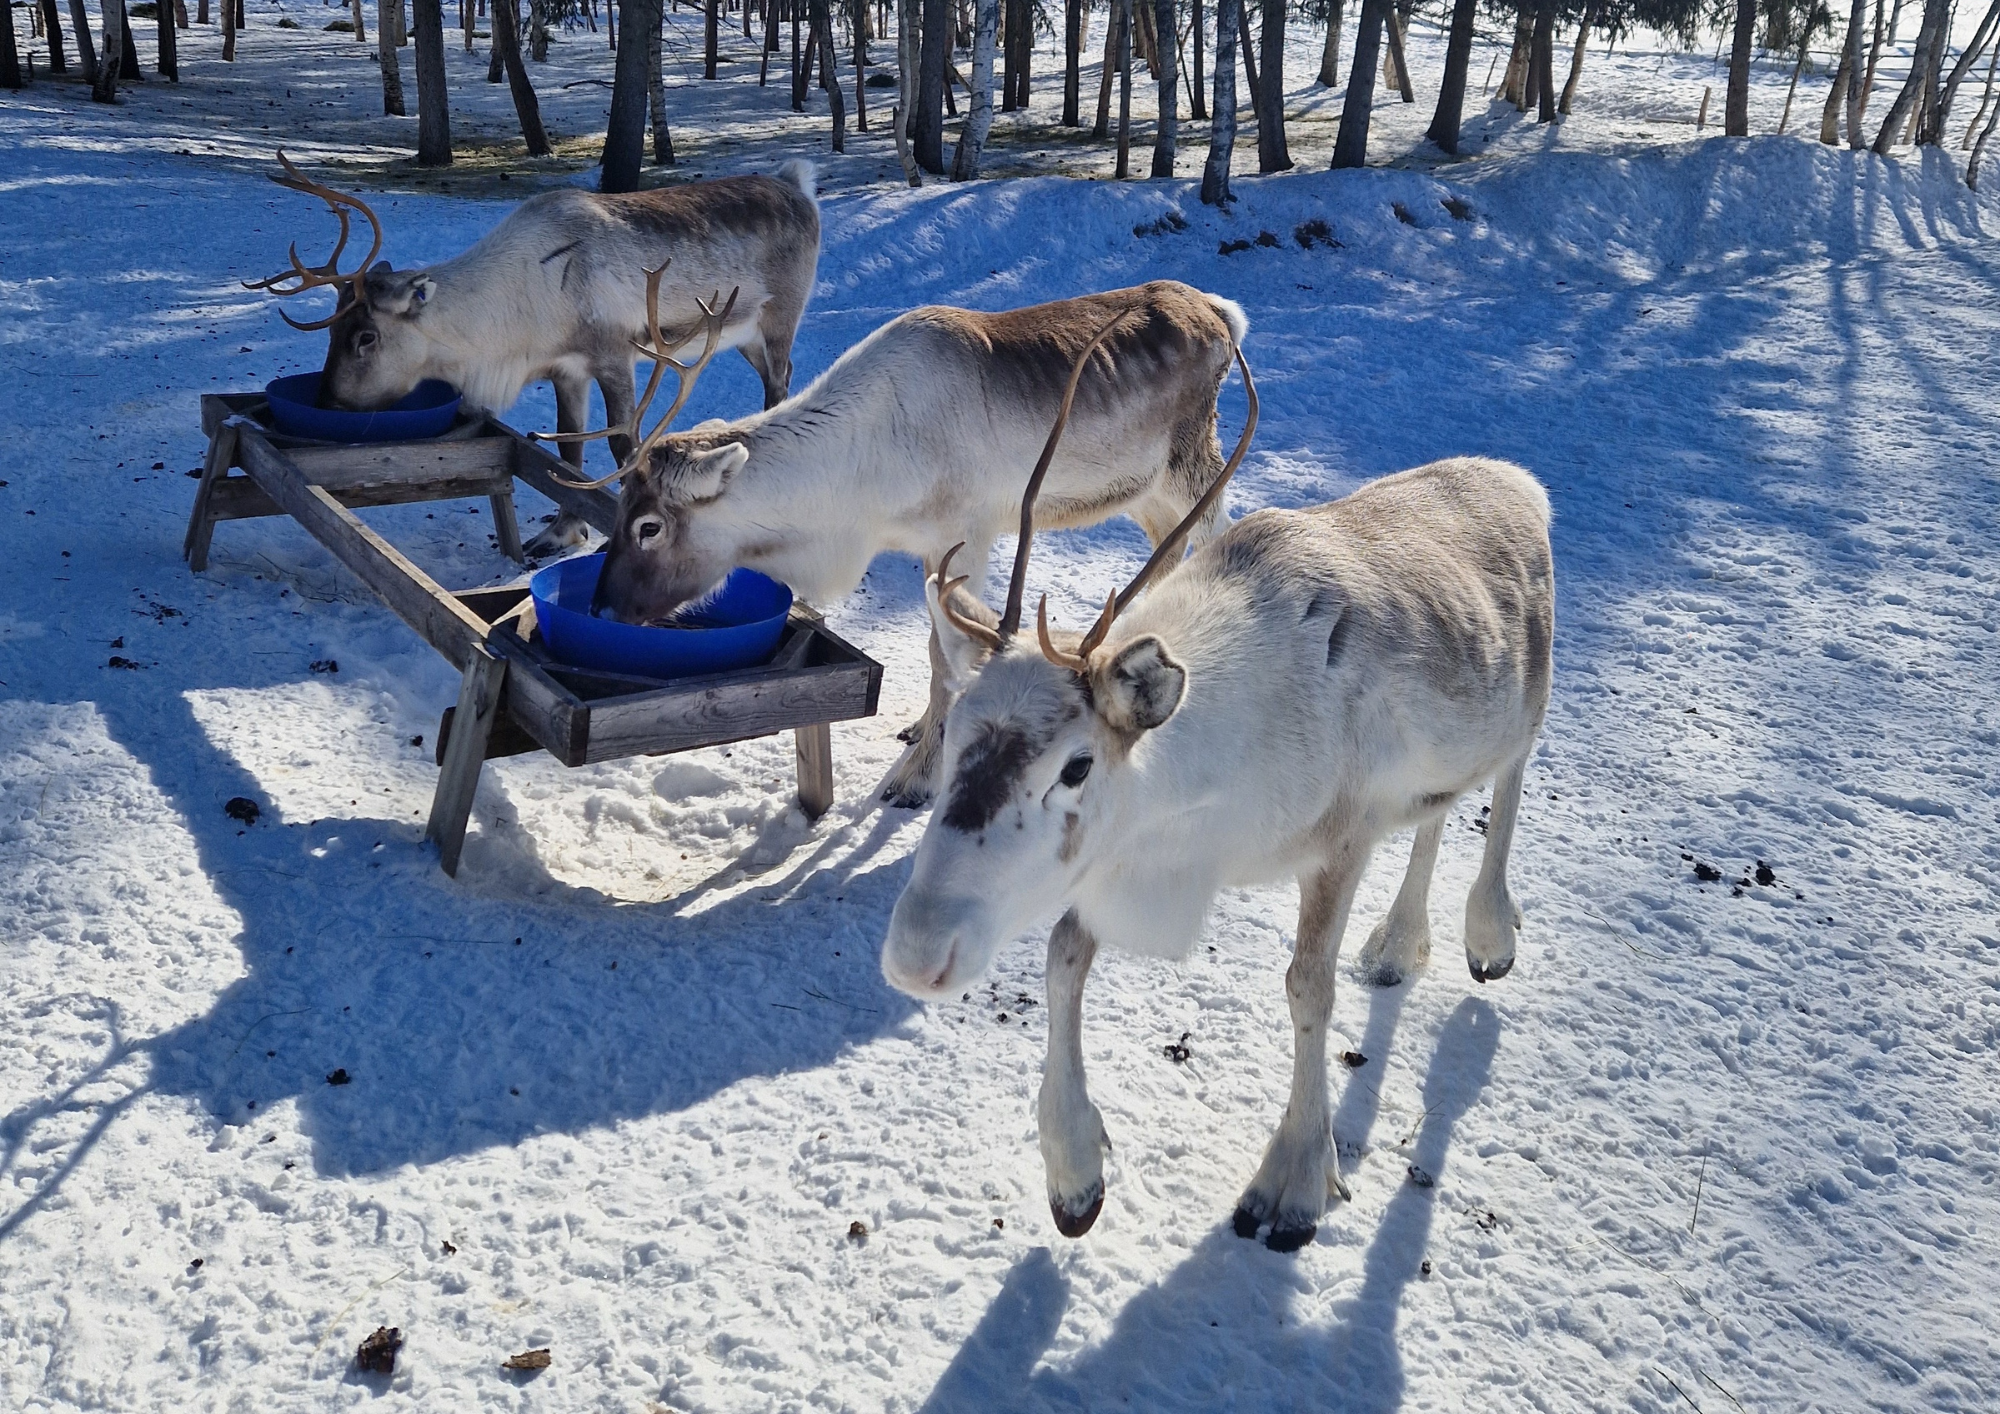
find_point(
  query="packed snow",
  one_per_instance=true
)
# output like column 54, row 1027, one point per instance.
column 1725, row 1137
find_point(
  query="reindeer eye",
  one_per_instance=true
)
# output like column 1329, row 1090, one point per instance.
column 364, row 342
column 1075, row 770
column 646, row 529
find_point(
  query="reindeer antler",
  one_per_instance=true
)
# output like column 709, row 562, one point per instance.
column 709, row 327
column 329, row 274
column 1163, row 555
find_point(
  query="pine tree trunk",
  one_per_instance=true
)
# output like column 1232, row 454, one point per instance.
column 1457, row 61
column 538, row 32
column 86, row 47
column 1272, row 153
column 1198, row 86
column 1736, row 103
column 1350, row 145
column 710, row 26
column 1072, row 113
column 58, row 64
column 1329, row 53
column 1167, row 132
column 625, row 132
column 169, row 48
column 1222, row 132
column 10, row 54
column 1124, row 168
column 105, row 90
column 1545, row 61
column 656, row 90
column 979, row 116
column 860, row 63
column 507, row 44
column 927, row 127
column 433, row 112
column 386, row 59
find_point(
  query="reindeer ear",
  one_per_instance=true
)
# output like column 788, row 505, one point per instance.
column 708, row 472
column 964, row 655
column 1140, row 687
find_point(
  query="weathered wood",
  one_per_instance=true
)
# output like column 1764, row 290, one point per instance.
column 549, row 473
column 507, row 738
column 201, row 521
column 814, row 746
column 479, row 701
column 548, row 711
column 439, row 619
column 506, row 529
column 726, row 709
column 238, row 498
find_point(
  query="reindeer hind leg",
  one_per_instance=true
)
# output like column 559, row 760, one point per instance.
column 572, row 410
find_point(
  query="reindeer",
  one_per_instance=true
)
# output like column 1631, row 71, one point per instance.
column 554, row 292
column 1300, row 687
column 914, row 440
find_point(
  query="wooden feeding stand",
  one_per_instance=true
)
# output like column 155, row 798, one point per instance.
column 515, row 696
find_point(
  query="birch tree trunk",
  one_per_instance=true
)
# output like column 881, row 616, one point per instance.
column 656, row 89
column 507, row 44
column 360, row 26
column 625, row 131
column 1979, row 149
column 979, row 117
column 86, row 49
column 927, row 125
column 1920, row 67
column 1222, row 130
column 385, row 56
column 1576, row 60
column 1329, row 53
column 829, row 75
column 169, row 51
column 1992, row 69
column 1272, row 154
column 52, row 26
column 105, row 90
column 1941, row 114
column 1868, row 83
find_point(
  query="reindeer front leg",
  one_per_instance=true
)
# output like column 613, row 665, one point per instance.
column 1301, row 1170
column 1491, row 919
column 915, row 774
column 1072, row 1132
column 572, row 407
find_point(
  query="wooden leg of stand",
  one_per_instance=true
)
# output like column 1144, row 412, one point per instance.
column 478, row 703
column 201, row 524
column 506, row 529
column 815, row 747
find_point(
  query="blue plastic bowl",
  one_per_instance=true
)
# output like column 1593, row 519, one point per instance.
column 738, row 626
column 427, row 412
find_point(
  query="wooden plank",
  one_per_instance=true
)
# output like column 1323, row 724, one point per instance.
column 458, row 778
column 814, row 745
column 439, row 619
column 546, row 709
column 506, row 529
column 238, row 497
column 381, row 464
column 507, row 738
column 541, row 469
column 201, row 521
column 493, row 604
column 217, row 408
column 654, row 722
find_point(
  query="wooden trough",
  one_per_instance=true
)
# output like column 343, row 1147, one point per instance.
column 515, row 697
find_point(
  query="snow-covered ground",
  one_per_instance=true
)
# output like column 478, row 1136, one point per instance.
column 623, row 1087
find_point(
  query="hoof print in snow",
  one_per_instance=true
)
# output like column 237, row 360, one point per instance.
column 1314, row 233
column 1268, row 239
column 377, row 1355
column 1353, row 1060
column 339, row 1077
column 1460, row 210
column 1402, row 213
column 1707, row 873
column 1167, row 224
column 118, row 662
column 537, row 1359
column 1231, row 247
column 1178, row 1051
column 243, row 808
column 324, row 665
column 857, row 1231
column 1421, row 1177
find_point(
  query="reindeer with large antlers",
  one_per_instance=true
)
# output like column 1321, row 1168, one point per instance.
column 554, row 291
column 917, row 440
column 1300, row 687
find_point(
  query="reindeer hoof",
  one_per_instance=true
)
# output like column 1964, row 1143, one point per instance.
column 1381, row 977
column 1490, row 971
column 908, row 797
column 1290, row 1237
column 1245, row 1222
column 1077, row 1224
column 911, row 732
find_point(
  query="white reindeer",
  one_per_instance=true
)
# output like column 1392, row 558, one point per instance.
column 1302, row 686
column 917, row 439
column 555, row 291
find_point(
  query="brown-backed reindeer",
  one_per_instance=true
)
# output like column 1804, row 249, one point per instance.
column 1300, row 687
column 555, row 291
column 917, row 439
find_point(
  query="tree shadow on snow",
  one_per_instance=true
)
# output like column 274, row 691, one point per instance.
column 411, row 1018
column 1219, row 1332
